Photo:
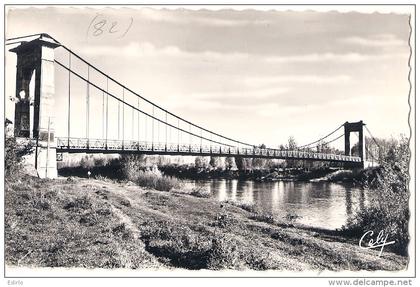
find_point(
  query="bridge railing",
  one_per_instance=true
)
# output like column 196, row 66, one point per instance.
column 83, row 144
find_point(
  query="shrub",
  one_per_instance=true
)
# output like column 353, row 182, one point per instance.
column 156, row 181
column 263, row 217
column 248, row 206
column 132, row 167
column 14, row 153
column 224, row 253
column 292, row 217
column 388, row 208
column 200, row 191
column 87, row 162
column 177, row 243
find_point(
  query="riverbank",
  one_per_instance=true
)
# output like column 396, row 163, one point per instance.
column 327, row 174
column 75, row 222
column 273, row 174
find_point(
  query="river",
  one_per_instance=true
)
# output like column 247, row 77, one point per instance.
column 316, row 204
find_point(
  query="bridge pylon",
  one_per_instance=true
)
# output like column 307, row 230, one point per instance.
column 35, row 89
column 355, row 127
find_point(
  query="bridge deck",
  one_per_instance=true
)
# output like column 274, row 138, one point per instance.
column 76, row 145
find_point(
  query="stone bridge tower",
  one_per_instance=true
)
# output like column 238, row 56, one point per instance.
column 34, row 105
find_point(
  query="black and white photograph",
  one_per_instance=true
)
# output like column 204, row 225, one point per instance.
column 209, row 141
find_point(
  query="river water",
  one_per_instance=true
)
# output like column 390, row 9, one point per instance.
column 316, row 204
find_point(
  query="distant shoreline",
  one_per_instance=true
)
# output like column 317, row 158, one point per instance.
column 291, row 174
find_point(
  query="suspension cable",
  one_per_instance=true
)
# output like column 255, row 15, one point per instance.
column 128, row 89
column 159, row 107
column 377, row 144
column 333, row 140
column 28, row 36
column 309, row 144
column 326, row 143
column 148, row 101
column 133, row 107
column 372, row 136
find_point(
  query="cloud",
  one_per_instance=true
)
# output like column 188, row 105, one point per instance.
column 147, row 49
column 333, row 57
column 246, row 93
column 381, row 40
column 307, row 79
column 192, row 19
column 245, row 100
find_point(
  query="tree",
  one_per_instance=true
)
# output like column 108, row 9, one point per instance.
column 259, row 163
column 282, row 147
column 291, row 143
column 131, row 164
column 243, row 164
column 323, row 147
column 87, row 162
column 239, row 161
column 214, row 162
column 230, row 163
column 201, row 162
column 162, row 161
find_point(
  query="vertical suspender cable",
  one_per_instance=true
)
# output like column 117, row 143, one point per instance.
column 103, row 115
column 123, row 109
column 178, row 133
column 118, row 120
column 68, row 115
column 132, row 124
column 87, row 108
column 145, row 127
column 153, row 125
column 138, row 120
column 170, row 135
column 190, row 135
column 166, row 129
column 106, row 120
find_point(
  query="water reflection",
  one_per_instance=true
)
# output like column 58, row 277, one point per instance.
column 348, row 201
column 326, row 205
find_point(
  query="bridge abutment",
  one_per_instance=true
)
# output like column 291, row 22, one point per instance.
column 34, row 108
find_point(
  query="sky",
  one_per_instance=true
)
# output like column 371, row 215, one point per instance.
column 255, row 76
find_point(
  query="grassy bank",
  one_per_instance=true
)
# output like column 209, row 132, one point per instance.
column 74, row 222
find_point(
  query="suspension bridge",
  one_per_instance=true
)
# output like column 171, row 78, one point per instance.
column 120, row 120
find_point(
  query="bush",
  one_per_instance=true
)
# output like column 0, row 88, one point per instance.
column 224, row 253
column 248, row 206
column 388, row 208
column 156, row 181
column 13, row 158
column 200, row 191
column 177, row 243
column 133, row 168
column 131, row 165
column 263, row 217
